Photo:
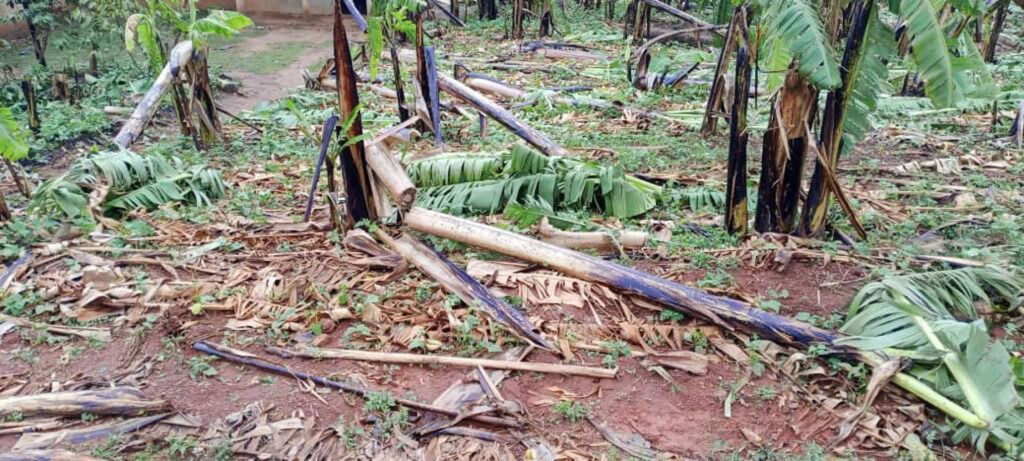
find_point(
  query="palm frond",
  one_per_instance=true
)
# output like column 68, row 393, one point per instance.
column 488, row 184
column 12, row 143
column 932, row 56
column 453, row 169
column 134, row 182
column 877, row 317
column 800, row 27
column 869, row 79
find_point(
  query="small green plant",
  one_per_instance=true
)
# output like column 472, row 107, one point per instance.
column 699, row 340
column 669, row 315
column 424, row 291
column 765, row 393
column 183, row 448
column 573, row 412
column 717, row 278
column 614, row 350
column 199, row 367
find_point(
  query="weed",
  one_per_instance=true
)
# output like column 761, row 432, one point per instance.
column 183, row 448
column 613, row 351
column 765, row 393
column 669, row 315
column 573, row 412
column 199, row 367
column 698, row 339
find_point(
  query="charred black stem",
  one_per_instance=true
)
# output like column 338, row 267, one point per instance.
column 812, row 220
column 325, row 143
column 403, row 113
column 433, row 97
column 736, row 187
column 29, row 91
column 354, row 170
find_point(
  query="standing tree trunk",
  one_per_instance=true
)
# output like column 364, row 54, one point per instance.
column 736, row 170
column 546, row 18
column 819, row 195
column 423, row 91
column 993, row 36
column 5, row 213
column 517, row 19
column 201, row 102
column 29, row 91
column 403, row 112
column 714, row 107
column 39, row 37
column 784, row 149
column 354, row 171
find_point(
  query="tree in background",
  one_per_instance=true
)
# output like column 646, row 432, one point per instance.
column 40, row 16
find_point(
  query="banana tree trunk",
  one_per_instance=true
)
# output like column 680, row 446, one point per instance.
column 403, row 113
column 113, row 401
column 390, row 173
column 784, row 148
column 819, row 195
column 180, row 56
column 18, row 179
column 680, row 14
column 201, row 102
column 720, row 310
column 29, row 91
column 675, row 296
column 714, row 107
column 5, row 212
column 736, row 168
column 997, row 29
column 354, row 170
column 458, row 282
column 504, row 117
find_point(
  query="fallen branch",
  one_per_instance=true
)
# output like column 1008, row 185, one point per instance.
column 95, row 333
column 418, row 359
column 245, row 358
column 493, row 110
column 114, row 401
column 45, row 455
column 77, row 436
column 685, row 16
column 600, row 241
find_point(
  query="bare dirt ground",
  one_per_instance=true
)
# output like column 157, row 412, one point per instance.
column 269, row 62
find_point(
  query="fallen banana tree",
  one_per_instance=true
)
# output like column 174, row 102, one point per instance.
column 420, row 359
column 504, row 117
column 114, row 401
column 131, row 131
column 722, row 311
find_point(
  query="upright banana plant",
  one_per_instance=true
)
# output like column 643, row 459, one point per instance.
column 12, row 148
column 795, row 45
column 736, row 170
column 145, row 29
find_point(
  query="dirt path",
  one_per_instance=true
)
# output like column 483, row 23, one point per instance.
column 269, row 59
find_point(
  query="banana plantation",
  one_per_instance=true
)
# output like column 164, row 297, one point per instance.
column 511, row 230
